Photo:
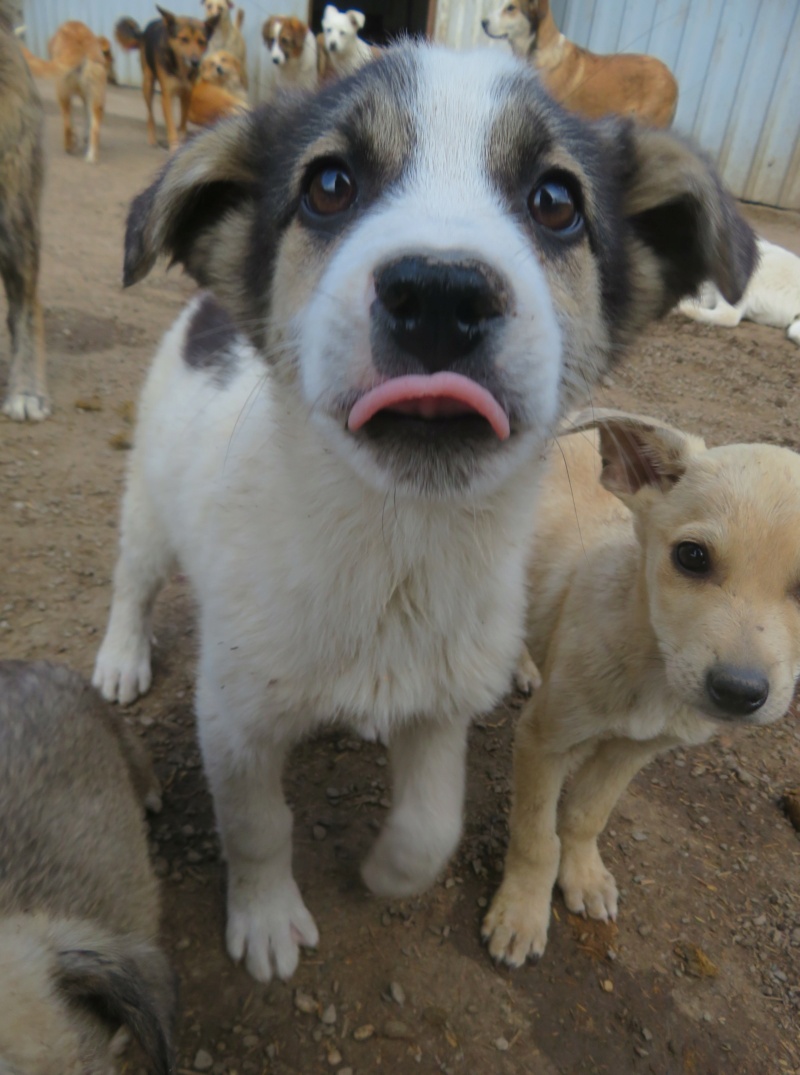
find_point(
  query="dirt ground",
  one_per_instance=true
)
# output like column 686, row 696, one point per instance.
column 701, row 973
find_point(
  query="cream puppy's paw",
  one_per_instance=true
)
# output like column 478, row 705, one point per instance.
column 267, row 927
column 588, row 887
column 527, row 677
column 515, row 929
column 122, row 669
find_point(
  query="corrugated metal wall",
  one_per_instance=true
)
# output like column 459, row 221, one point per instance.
column 737, row 63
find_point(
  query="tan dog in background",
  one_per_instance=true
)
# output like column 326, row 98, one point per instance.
column 623, row 83
column 79, row 912
column 81, row 63
column 227, row 35
column 665, row 604
column 218, row 91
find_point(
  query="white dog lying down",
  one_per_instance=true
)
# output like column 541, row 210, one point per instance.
column 771, row 298
column 342, row 445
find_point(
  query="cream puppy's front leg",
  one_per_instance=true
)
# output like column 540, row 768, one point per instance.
column 588, row 887
column 424, row 824
column 517, row 923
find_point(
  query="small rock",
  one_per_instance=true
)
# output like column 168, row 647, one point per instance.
column 397, row 993
column 639, row 837
column 646, row 1034
column 645, row 930
column 502, row 1045
column 203, row 1061
column 319, row 832
column 328, row 1017
column 363, row 1033
column 250, row 1041
column 607, row 985
column 396, row 1030
column 305, row 1003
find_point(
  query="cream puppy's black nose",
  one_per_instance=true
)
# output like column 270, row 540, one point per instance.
column 737, row 691
column 438, row 312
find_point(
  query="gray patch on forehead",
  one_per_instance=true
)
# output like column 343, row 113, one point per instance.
column 527, row 126
column 210, row 339
column 376, row 112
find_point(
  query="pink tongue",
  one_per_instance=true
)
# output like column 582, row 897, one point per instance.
column 440, row 395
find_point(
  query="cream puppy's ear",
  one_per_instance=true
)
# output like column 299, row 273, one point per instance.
column 358, row 18
column 637, row 452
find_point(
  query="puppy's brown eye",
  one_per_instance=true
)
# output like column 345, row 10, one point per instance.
column 691, row 557
column 553, row 206
column 331, row 189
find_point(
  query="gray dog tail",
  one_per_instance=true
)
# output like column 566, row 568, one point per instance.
column 127, row 32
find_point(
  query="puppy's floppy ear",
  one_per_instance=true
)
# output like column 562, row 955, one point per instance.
column 687, row 225
column 213, row 176
column 329, row 12
column 130, row 985
column 358, row 18
column 637, row 452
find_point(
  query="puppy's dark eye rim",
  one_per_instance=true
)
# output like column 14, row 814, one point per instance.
column 692, row 558
column 322, row 193
column 564, row 192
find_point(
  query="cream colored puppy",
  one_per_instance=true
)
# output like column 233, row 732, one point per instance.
column 78, row 898
column 665, row 604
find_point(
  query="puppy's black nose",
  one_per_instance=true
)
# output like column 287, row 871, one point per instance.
column 485, row 24
column 195, row 61
column 437, row 311
column 737, row 691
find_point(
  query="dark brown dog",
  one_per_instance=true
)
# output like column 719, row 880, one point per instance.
column 21, row 174
column 171, row 49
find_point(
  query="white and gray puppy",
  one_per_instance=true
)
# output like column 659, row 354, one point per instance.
column 414, row 275
column 78, row 898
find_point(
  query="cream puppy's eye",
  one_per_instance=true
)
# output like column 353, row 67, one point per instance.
column 329, row 189
column 553, row 206
column 692, row 558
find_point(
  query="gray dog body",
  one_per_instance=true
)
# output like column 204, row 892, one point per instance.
column 79, row 907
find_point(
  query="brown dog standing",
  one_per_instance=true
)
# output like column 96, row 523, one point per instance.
column 171, row 49
column 21, row 176
column 81, row 63
column 623, row 83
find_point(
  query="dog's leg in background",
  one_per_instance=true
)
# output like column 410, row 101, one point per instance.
column 793, row 331
column 122, row 670
column 173, row 141
column 65, row 104
column 267, row 918
column 424, row 825
column 95, row 107
column 27, row 384
column 587, row 885
column 148, row 89
column 185, row 99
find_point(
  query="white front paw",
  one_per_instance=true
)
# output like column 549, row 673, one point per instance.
column 122, row 669
column 588, row 887
column 26, row 406
column 399, row 866
column 267, row 925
